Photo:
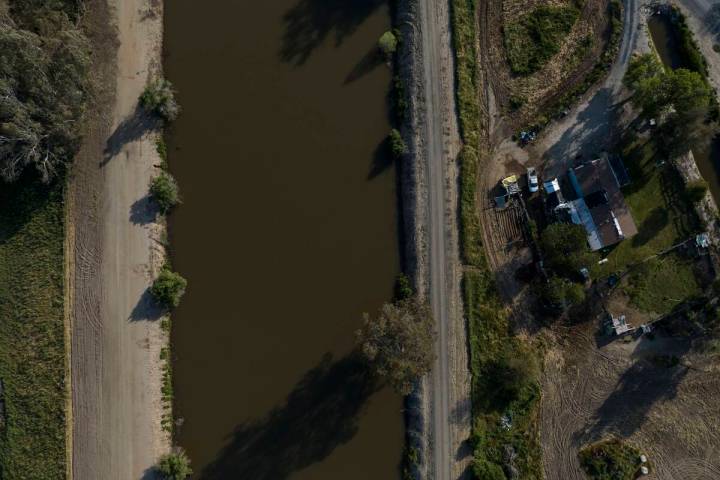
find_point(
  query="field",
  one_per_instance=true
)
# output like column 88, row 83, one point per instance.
column 532, row 40
column 32, row 345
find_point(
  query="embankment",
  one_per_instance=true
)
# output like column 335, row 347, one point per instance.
column 414, row 209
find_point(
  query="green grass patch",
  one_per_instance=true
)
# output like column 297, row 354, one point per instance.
column 661, row 284
column 658, row 204
column 505, row 391
column 32, row 345
column 610, row 460
column 535, row 38
column 558, row 108
column 464, row 35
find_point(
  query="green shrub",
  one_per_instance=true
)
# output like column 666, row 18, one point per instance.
column 159, row 98
column 403, row 288
column 566, row 249
column 397, row 144
column 485, row 470
column 161, row 149
column 175, row 465
column 560, row 294
column 510, row 373
column 610, row 460
column 168, row 288
column 716, row 47
column 165, row 191
column 536, row 37
column 388, row 44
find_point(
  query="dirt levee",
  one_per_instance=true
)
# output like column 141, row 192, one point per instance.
column 115, row 344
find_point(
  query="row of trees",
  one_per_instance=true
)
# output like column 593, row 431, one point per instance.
column 44, row 64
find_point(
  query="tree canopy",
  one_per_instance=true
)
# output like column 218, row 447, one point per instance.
column 680, row 100
column 44, row 62
column 566, row 249
column 169, row 287
column 399, row 342
column 165, row 191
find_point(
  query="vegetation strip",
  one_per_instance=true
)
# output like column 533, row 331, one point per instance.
column 32, row 336
column 44, row 85
column 504, row 371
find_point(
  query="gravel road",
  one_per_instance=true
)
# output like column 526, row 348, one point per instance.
column 115, row 360
column 449, row 421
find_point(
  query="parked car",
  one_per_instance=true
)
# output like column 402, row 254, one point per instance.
column 532, row 180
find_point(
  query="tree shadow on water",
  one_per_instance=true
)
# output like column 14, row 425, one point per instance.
column 369, row 62
column 382, row 159
column 320, row 414
column 310, row 22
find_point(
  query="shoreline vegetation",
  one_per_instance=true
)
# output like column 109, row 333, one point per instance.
column 43, row 91
column 169, row 286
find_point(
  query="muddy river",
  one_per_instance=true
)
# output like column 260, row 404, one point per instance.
column 287, row 234
column 706, row 156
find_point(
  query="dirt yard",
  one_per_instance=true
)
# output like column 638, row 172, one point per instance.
column 591, row 393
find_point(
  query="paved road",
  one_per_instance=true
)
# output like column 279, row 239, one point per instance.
column 588, row 128
column 433, row 30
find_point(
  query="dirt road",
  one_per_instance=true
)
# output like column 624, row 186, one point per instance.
column 448, row 385
column 116, row 377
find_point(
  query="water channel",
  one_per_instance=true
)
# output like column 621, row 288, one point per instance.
column 287, row 234
column 707, row 156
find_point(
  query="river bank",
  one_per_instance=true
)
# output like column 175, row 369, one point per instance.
column 438, row 412
column 115, row 251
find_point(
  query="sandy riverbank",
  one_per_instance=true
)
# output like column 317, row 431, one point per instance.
column 115, row 252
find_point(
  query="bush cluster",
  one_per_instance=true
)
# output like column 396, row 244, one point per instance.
column 159, row 98
column 388, row 44
column 165, row 191
column 397, row 144
column 168, row 288
column 175, row 465
column 43, row 87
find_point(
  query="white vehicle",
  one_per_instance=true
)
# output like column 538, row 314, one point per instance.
column 532, row 180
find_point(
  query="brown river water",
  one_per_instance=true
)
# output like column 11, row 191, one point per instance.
column 287, row 234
